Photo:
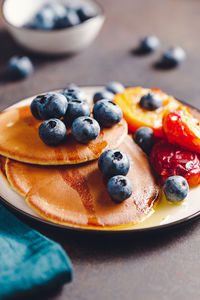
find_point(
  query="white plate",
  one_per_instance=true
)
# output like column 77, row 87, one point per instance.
column 164, row 215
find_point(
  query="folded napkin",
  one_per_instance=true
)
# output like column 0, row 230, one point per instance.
column 29, row 262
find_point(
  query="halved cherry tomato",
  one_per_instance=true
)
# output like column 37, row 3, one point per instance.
column 137, row 117
column 169, row 160
column 182, row 129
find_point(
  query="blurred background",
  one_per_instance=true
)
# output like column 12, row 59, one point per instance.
column 110, row 57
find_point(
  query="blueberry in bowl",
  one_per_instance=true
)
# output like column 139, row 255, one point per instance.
column 52, row 27
column 85, row 129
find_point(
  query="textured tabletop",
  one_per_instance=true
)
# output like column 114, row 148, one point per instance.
column 162, row 265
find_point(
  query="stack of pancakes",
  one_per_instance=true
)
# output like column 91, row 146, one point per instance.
column 63, row 184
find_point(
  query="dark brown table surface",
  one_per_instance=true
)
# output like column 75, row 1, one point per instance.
column 161, row 265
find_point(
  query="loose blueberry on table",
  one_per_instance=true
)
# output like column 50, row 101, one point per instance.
column 20, row 67
column 148, row 44
column 113, row 162
column 151, row 101
column 119, row 188
column 107, row 113
column 52, row 131
column 51, row 105
column 172, row 57
column 176, row 188
column 85, row 129
column 76, row 108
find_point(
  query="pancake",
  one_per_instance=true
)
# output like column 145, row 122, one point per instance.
column 2, row 167
column 19, row 140
column 77, row 196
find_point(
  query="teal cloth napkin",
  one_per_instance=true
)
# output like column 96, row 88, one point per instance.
column 29, row 262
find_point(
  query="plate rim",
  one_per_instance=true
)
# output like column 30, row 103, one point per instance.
column 39, row 220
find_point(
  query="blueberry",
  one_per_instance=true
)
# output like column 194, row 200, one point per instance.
column 20, row 67
column 176, row 188
column 107, row 113
column 72, row 88
column 76, row 108
column 113, row 162
column 103, row 95
column 85, row 129
column 52, row 131
column 151, row 101
column 173, row 57
column 149, row 44
column 86, row 12
column 70, row 19
column 52, row 105
column 119, row 188
column 115, row 87
column 144, row 138
column 74, row 94
column 45, row 18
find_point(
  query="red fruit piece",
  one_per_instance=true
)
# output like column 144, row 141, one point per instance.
column 168, row 160
column 182, row 129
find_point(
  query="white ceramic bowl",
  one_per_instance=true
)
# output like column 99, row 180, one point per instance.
column 16, row 13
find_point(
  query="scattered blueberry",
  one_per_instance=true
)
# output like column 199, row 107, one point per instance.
column 119, row 188
column 20, row 67
column 107, row 113
column 85, row 129
column 148, row 44
column 52, row 131
column 176, row 188
column 76, row 108
column 113, row 162
column 70, row 19
column 172, row 57
column 51, row 105
column 103, row 95
column 115, row 87
column 86, row 12
column 144, row 138
column 151, row 101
